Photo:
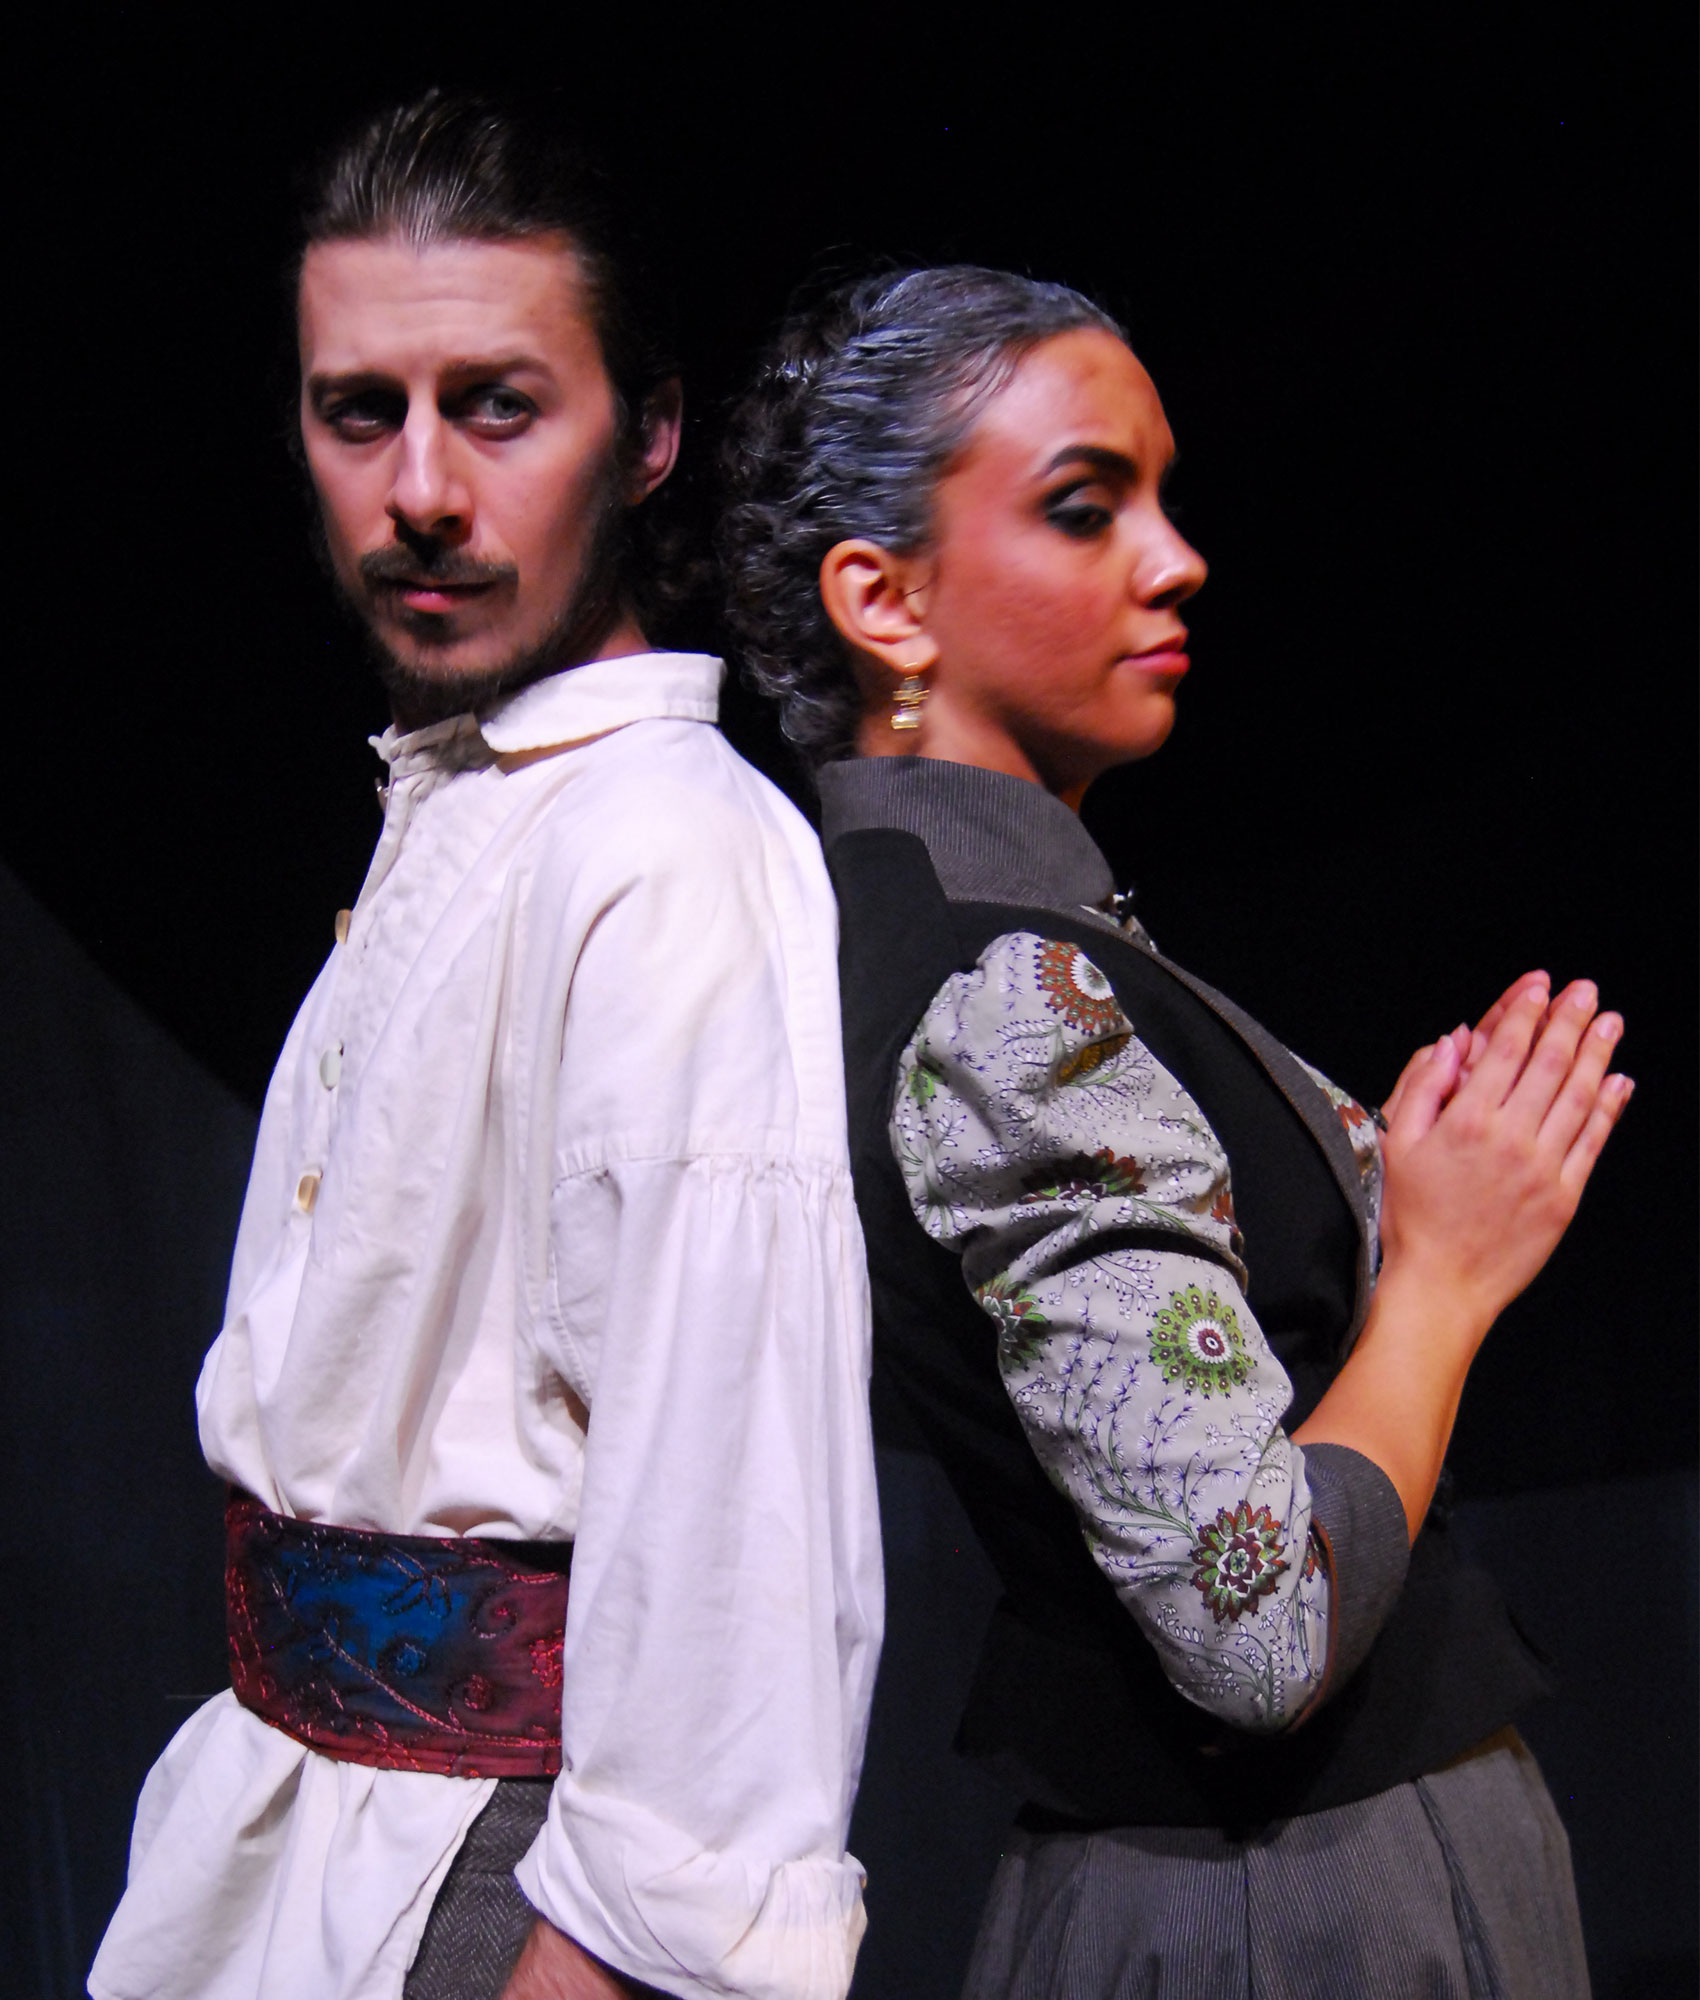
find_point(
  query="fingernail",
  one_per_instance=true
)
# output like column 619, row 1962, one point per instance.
column 1442, row 1050
column 1584, row 993
column 1625, row 1090
column 1608, row 1027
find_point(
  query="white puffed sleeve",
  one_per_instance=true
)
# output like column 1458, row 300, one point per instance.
column 706, row 1300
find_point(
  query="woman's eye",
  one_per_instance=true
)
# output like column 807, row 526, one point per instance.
column 496, row 412
column 360, row 419
column 1077, row 518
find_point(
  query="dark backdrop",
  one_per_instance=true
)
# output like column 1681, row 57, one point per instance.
column 1420, row 305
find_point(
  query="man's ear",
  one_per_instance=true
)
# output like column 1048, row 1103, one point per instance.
column 663, row 414
column 878, row 602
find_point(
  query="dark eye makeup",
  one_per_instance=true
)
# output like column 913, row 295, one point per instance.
column 493, row 410
column 1076, row 512
column 364, row 415
column 1084, row 508
column 488, row 409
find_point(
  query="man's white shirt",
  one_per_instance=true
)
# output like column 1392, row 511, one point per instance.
column 559, row 1128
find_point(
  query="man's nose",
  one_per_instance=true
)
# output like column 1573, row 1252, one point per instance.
column 428, row 497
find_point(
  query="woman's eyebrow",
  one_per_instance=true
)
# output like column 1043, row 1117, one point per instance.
column 1112, row 464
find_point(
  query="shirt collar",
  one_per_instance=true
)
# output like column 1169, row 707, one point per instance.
column 992, row 838
column 590, row 700
column 578, row 702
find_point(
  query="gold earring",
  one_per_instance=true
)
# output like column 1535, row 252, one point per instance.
column 908, row 701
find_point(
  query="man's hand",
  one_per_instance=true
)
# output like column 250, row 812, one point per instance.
column 552, row 1967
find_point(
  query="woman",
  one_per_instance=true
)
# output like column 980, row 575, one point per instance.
column 1125, row 1247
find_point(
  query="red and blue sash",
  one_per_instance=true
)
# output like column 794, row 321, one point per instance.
column 410, row 1652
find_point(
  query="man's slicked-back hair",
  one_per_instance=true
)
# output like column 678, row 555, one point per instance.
column 453, row 166
column 463, row 167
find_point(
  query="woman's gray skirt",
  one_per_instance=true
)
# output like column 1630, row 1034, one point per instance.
column 1456, row 1887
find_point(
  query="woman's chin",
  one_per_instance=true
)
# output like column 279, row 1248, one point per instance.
column 1144, row 734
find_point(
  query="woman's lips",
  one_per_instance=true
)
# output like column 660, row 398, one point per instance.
column 1163, row 662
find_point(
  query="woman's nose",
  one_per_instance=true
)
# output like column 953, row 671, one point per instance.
column 1171, row 571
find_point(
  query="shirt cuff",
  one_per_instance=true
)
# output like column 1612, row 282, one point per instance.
column 1357, row 1510
column 638, row 1893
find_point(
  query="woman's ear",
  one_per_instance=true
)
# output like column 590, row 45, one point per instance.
column 878, row 602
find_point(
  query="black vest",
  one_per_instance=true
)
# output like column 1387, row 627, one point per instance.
column 1069, row 1699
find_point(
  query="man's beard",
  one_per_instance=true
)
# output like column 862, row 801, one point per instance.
column 420, row 695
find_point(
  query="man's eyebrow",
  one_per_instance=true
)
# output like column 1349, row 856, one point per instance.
column 464, row 365
column 322, row 381
column 463, row 368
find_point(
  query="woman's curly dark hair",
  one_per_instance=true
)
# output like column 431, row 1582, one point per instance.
column 856, row 410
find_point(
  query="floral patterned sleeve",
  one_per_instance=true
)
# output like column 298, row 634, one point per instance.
column 1039, row 1136
column 1363, row 1135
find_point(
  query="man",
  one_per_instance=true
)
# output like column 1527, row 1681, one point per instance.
column 549, row 1245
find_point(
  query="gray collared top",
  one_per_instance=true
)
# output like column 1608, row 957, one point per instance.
column 997, row 839
column 992, row 838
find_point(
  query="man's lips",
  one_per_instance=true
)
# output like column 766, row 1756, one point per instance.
column 435, row 587
column 419, row 595
column 430, row 596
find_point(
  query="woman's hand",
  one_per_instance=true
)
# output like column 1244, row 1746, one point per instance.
column 1471, row 1043
column 1483, row 1030
column 1491, row 1138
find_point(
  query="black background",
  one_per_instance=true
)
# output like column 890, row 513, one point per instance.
column 1420, row 303
column 1420, row 306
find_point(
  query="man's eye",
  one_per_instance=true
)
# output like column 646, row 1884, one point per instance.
column 496, row 412
column 360, row 419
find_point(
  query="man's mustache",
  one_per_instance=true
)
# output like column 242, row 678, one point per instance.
column 448, row 567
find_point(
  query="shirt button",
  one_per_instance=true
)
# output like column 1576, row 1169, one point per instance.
column 343, row 919
column 307, row 1191
column 330, row 1066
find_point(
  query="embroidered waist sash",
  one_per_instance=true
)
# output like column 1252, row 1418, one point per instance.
column 409, row 1652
